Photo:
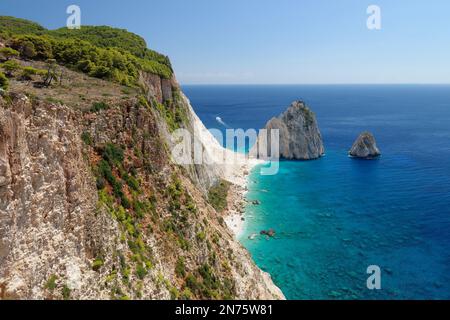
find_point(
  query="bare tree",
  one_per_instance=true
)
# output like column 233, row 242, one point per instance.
column 51, row 72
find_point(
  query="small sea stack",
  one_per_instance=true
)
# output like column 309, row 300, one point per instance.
column 365, row 147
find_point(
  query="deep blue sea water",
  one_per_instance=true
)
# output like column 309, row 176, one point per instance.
column 336, row 216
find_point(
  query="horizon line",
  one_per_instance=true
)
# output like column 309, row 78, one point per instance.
column 315, row 84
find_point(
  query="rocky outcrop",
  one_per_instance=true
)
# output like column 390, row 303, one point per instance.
column 157, row 87
column 299, row 135
column 365, row 147
column 48, row 222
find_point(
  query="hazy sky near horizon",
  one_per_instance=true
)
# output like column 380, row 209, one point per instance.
column 275, row 41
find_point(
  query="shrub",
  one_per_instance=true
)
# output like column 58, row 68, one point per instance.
column 201, row 236
column 192, row 283
column 27, row 50
column 141, row 272
column 39, row 47
column 9, row 53
column 143, row 101
column 173, row 115
column 186, row 294
column 217, row 195
column 140, row 209
column 131, row 181
column 180, row 268
column 113, row 154
column 97, row 264
column 10, row 67
column 66, row 292
column 184, row 244
column 209, row 280
column 51, row 283
column 101, row 72
column 29, row 72
column 4, row 83
column 87, row 139
column 98, row 106
column 174, row 293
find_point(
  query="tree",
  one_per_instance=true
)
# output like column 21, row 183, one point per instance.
column 51, row 72
column 3, row 81
column 35, row 47
column 8, row 53
column 28, row 50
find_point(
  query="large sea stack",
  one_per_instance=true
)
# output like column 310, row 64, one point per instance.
column 365, row 147
column 300, row 138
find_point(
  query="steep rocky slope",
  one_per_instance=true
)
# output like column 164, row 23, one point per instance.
column 92, row 207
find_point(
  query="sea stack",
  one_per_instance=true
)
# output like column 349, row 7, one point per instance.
column 365, row 147
column 300, row 138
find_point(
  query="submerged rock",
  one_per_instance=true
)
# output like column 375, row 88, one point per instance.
column 300, row 138
column 252, row 236
column 270, row 232
column 365, row 147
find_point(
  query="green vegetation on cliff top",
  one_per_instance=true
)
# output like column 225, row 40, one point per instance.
column 20, row 26
column 100, row 51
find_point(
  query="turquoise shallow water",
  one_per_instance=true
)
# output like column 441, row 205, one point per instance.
column 327, row 235
column 336, row 216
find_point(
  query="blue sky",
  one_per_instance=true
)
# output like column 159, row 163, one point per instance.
column 275, row 41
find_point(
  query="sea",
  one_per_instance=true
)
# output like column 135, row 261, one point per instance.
column 335, row 217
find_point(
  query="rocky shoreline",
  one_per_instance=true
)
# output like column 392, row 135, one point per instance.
column 235, row 215
column 235, row 220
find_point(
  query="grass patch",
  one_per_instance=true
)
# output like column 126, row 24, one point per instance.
column 51, row 283
column 86, row 137
column 99, row 106
column 66, row 292
column 4, row 82
column 97, row 264
column 180, row 268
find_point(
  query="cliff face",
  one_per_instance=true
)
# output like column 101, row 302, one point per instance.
column 92, row 207
column 300, row 138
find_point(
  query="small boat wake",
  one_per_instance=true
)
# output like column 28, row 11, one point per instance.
column 219, row 120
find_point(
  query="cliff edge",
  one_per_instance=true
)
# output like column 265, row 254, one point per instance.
column 92, row 205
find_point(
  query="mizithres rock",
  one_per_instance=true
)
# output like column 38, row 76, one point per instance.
column 365, row 147
column 299, row 135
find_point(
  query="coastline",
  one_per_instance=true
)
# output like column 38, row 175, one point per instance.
column 231, row 166
column 235, row 168
column 236, row 197
column 235, row 214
